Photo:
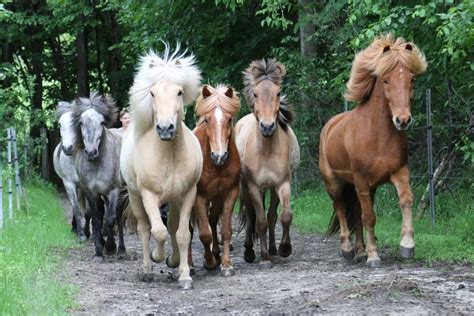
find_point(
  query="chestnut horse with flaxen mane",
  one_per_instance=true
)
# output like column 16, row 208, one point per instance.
column 366, row 147
column 218, row 186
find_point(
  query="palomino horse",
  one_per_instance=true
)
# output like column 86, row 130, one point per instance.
column 366, row 147
column 218, row 187
column 269, row 154
column 98, row 167
column 64, row 159
column 161, row 160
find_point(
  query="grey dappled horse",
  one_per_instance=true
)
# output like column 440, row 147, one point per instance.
column 64, row 159
column 98, row 167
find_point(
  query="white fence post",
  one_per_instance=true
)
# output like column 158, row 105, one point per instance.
column 10, row 189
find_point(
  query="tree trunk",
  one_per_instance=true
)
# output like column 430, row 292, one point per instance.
column 58, row 61
column 113, row 61
column 82, row 70
column 307, row 47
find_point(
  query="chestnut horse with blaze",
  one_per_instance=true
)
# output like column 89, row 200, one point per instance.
column 366, row 147
column 218, row 187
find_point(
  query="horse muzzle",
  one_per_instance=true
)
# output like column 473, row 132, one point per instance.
column 267, row 129
column 219, row 160
column 67, row 150
column 91, row 155
column 166, row 131
column 402, row 123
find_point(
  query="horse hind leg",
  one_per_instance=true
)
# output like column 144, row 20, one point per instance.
column 205, row 231
column 248, row 218
column 360, row 253
column 215, row 211
column 121, row 206
column 272, row 218
column 76, row 211
column 226, row 231
column 111, row 218
column 284, row 193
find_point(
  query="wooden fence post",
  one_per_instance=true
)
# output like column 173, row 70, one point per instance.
column 44, row 154
column 18, row 188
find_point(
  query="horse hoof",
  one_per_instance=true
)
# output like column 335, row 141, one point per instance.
column 170, row 264
column 407, row 253
column 348, row 255
column 192, row 271
column 121, row 254
column 82, row 238
column 265, row 265
column 87, row 233
column 210, row 267
column 98, row 259
column 186, row 284
column 110, row 250
column 227, row 271
column 249, row 256
column 272, row 251
column 374, row 264
column 360, row 257
column 284, row 250
column 146, row 277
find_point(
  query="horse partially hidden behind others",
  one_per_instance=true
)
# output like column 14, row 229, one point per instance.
column 366, row 147
column 218, row 187
column 269, row 154
column 98, row 168
column 161, row 160
column 64, row 160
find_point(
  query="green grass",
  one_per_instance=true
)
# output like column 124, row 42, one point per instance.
column 32, row 249
column 452, row 238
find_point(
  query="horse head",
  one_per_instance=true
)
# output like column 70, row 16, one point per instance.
column 217, row 107
column 65, row 119
column 262, row 86
column 92, row 117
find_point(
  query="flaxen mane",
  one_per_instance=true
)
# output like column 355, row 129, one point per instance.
column 379, row 58
column 218, row 99
column 175, row 68
column 267, row 69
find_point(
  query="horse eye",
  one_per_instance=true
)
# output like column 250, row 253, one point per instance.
column 412, row 80
column 180, row 93
column 254, row 95
column 278, row 94
column 206, row 121
column 152, row 95
column 385, row 81
column 102, row 123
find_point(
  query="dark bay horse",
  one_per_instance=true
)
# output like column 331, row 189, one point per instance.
column 366, row 147
column 218, row 186
column 98, row 167
column 269, row 154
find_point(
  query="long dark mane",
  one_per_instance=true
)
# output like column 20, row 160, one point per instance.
column 103, row 104
column 273, row 70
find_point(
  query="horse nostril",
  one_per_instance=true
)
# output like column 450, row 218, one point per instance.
column 409, row 120
column 397, row 120
column 213, row 156
column 272, row 125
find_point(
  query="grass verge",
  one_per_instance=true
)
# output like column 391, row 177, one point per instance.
column 452, row 238
column 33, row 246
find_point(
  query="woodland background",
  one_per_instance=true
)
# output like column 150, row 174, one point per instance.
column 54, row 50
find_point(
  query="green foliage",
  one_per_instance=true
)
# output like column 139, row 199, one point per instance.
column 32, row 249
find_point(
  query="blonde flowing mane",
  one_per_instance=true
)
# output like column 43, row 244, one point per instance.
column 217, row 99
column 380, row 57
column 175, row 68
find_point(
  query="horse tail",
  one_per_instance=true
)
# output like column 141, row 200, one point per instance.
column 352, row 207
column 127, row 215
column 246, row 214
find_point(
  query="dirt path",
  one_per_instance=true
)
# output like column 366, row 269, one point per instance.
column 314, row 279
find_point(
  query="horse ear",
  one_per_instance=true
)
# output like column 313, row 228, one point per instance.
column 178, row 63
column 205, row 92
column 409, row 47
column 281, row 69
column 229, row 93
column 255, row 71
column 386, row 49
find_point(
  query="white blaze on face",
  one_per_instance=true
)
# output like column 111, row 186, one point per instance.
column 66, row 130
column 219, row 116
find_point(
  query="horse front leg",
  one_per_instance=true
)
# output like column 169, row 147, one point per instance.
column 226, row 230
column 272, row 218
column 248, row 215
column 183, row 237
column 205, row 233
column 71, row 191
column 214, row 214
column 368, row 220
column 97, row 212
column 110, row 220
column 261, row 225
column 401, row 180
column 143, row 228
column 158, row 229
column 119, row 212
column 284, row 192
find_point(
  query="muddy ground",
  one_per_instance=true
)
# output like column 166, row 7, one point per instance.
column 315, row 279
